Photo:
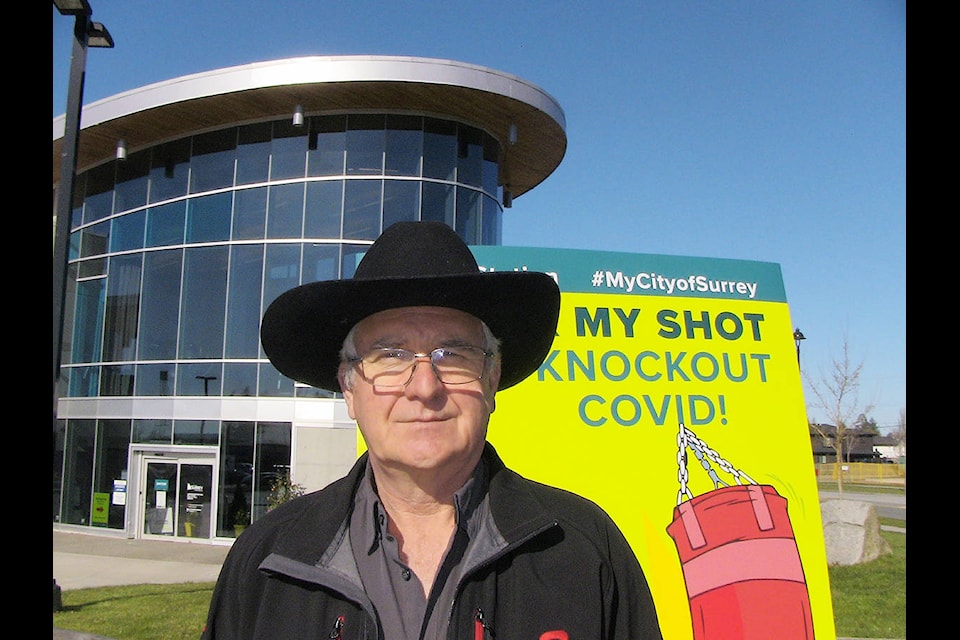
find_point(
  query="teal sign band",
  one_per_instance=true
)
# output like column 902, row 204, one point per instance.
column 640, row 274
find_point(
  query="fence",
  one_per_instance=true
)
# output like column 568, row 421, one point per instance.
column 861, row 471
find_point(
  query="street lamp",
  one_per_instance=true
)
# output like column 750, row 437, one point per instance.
column 797, row 337
column 86, row 33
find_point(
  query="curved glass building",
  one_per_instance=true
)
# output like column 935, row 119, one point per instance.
column 199, row 200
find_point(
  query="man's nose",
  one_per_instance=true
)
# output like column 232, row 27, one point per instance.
column 424, row 379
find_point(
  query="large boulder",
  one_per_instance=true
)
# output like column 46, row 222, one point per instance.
column 851, row 531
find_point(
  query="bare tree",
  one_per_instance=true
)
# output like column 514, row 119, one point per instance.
column 900, row 433
column 837, row 393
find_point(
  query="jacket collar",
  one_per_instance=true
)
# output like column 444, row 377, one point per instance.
column 320, row 519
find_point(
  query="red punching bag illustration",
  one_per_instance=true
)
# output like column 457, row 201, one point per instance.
column 740, row 560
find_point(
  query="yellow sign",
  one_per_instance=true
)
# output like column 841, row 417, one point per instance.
column 672, row 398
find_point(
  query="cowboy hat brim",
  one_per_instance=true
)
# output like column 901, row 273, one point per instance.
column 303, row 330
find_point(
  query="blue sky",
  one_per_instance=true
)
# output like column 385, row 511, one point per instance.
column 747, row 129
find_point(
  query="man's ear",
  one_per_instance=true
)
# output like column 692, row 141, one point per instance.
column 493, row 381
column 346, row 390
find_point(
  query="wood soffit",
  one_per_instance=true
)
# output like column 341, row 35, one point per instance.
column 540, row 146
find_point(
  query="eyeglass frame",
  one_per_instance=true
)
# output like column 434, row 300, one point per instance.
column 418, row 357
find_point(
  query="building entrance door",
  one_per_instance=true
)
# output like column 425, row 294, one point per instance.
column 176, row 500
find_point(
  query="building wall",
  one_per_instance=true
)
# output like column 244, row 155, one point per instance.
column 170, row 419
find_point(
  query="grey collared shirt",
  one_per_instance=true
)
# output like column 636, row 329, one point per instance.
column 396, row 592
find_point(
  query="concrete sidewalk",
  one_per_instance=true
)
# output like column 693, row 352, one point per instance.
column 84, row 560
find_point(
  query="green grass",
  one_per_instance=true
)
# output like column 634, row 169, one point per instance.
column 854, row 487
column 869, row 601
column 139, row 612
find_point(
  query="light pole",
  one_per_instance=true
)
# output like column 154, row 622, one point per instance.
column 206, row 392
column 797, row 337
column 85, row 34
column 206, row 382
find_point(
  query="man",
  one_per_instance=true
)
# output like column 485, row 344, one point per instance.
column 429, row 535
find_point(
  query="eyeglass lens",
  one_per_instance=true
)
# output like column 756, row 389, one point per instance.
column 395, row 367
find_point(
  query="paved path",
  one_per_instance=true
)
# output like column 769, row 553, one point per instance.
column 83, row 560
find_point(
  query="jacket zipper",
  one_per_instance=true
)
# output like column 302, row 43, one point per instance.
column 480, row 626
column 337, row 628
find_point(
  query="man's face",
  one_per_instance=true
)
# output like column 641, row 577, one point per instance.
column 425, row 425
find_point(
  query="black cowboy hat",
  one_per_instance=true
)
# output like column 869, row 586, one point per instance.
column 411, row 264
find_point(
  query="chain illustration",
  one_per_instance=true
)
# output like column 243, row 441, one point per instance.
column 687, row 439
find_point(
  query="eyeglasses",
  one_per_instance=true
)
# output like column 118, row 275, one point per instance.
column 391, row 368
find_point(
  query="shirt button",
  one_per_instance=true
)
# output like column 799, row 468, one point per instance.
column 405, row 574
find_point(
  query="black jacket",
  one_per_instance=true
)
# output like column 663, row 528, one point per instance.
column 562, row 566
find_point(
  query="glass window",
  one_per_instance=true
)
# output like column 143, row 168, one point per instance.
column 491, row 226
column 361, row 209
column 84, row 381
column 365, row 144
column 127, row 231
column 272, row 460
column 305, row 391
column 76, row 207
column 116, row 380
column 468, row 215
column 253, row 152
column 169, row 170
column 288, row 151
column 327, row 146
column 243, row 302
column 74, row 250
column 160, row 305
column 249, row 213
column 438, row 202
column 285, row 213
column 491, row 165
column 320, row 262
column 203, row 305
column 272, row 384
column 323, row 209
column 88, row 321
column 122, row 307
column 132, row 181
column 401, row 201
column 155, row 379
column 350, row 258
column 281, row 271
column 92, row 268
column 196, row 432
column 59, row 442
column 439, row 149
column 112, row 439
column 78, row 472
column 240, row 379
column 404, row 145
column 153, row 431
column 98, row 194
column 208, row 217
column 214, row 154
column 165, row 224
column 68, row 308
column 236, row 476
column 199, row 379
column 95, row 240
column 469, row 156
